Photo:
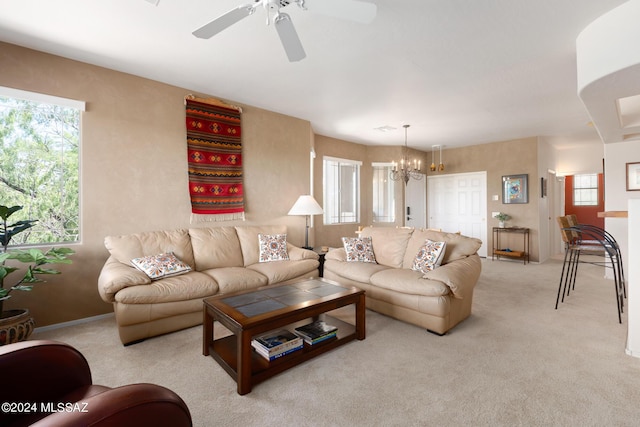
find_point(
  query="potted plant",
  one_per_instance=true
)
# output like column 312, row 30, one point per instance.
column 502, row 217
column 16, row 325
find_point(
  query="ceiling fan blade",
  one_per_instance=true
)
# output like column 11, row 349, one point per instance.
column 351, row 10
column 289, row 38
column 224, row 21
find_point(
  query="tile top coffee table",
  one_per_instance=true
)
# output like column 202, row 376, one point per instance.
column 288, row 305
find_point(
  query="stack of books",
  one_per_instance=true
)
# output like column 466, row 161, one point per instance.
column 316, row 332
column 276, row 344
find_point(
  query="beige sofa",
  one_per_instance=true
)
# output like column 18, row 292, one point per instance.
column 436, row 300
column 222, row 259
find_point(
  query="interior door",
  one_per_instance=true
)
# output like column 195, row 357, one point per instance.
column 458, row 203
column 415, row 203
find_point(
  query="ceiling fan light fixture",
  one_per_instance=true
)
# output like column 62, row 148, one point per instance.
column 353, row 10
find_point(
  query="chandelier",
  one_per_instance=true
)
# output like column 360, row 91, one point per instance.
column 406, row 169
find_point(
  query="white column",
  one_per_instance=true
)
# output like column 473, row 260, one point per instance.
column 633, row 280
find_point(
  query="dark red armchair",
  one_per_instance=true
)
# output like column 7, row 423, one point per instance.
column 48, row 383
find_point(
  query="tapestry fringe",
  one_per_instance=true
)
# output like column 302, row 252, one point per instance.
column 198, row 218
column 212, row 101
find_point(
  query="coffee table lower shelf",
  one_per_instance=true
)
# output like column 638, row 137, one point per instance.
column 224, row 351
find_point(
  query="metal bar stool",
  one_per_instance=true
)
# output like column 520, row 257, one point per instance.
column 582, row 239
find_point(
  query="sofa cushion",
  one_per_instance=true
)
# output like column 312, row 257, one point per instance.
column 357, row 271
column 234, row 279
column 161, row 265
column 296, row 253
column 458, row 246
column 409, row 282
column 126, row 248
column 176, row 288
column 279, row 271
column 248, row 236
column 389, row 244
column 358, row 249
column 273, row 247
column 429, row 256
column 215, row 247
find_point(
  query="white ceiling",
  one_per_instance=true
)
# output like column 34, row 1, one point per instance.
column 460, row 72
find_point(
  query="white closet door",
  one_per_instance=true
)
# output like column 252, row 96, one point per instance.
column 458, row 202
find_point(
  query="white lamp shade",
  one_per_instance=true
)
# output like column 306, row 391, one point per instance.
column 306, row 205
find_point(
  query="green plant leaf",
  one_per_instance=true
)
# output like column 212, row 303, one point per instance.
column 5, row 271
column 23, row 288
column 6, row 212
column 38, row 270
column 60, row 252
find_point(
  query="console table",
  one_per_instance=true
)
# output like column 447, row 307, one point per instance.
column 499, row 251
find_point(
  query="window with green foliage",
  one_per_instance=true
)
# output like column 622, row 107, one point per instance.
column 39, row 164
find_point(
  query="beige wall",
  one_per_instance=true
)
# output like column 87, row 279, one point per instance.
column 330, row 235
column 134, row 174
column 497, row 159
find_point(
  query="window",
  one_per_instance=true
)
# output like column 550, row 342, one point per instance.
column 39, row 164
column 585, row 190
column 341, row 191
column 384, row 204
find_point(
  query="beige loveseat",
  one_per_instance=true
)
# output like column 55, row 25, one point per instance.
column 222, row 259
column 436, row 300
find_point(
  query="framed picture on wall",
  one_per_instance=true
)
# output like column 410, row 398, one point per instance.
column 515, row 189
column 633, row 176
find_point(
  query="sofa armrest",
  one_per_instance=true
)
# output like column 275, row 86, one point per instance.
column 337, row 254
column 115, row 276
column 296, row 253
column 139, row 405
column 54, row 369
column 460, row 275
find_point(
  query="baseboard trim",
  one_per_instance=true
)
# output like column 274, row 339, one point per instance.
column 73, row 322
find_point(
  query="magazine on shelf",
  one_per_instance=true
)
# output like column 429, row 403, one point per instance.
column 316, row 332
column 274, row 356
column 276, row 342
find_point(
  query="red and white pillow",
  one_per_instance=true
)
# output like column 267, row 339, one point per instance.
column 273, row 247
column 161, row 265
column 359, row 249
column 429, row 257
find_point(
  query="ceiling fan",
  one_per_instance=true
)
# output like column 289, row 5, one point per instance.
column 353, row 10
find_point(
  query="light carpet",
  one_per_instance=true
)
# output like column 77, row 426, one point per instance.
column 515, row 362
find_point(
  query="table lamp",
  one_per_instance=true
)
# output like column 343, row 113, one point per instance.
column 306, row 205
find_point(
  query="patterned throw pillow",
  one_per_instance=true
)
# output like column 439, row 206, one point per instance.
column 359, row 249
column 429, row 256
column 273, row 247
column 159, row 266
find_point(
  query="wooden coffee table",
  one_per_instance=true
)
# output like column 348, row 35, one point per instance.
column 288, row 305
